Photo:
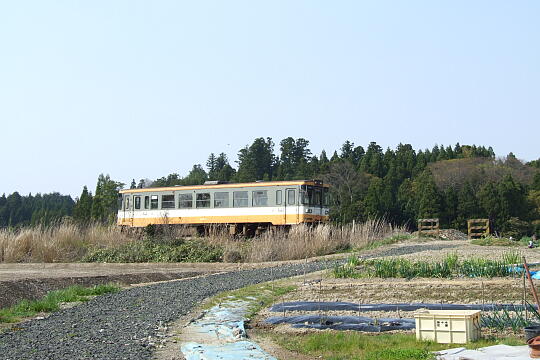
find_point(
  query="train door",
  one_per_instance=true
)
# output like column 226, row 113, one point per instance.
column 318, row 201
column 131, row 209
column 291, row 207
column 128, row 212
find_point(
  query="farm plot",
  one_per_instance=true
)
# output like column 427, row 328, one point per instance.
column 447, row 276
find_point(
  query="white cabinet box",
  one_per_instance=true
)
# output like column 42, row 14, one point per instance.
column 448, row 326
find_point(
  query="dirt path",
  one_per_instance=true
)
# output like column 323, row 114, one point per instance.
column 33, row 281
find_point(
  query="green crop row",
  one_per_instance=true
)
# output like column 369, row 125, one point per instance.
column 450, row 266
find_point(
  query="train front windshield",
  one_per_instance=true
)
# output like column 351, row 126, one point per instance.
column 314, row 195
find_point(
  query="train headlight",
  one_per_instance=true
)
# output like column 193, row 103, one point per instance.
column 308, row 211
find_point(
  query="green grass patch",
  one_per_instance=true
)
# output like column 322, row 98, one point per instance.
column 387, row 241
column 450, row 266
column 51, row 302
column 149, row 250
column 501, row 241
column 258, row 295
column 358, row 346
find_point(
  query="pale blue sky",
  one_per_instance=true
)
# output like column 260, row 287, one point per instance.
column 146, row 88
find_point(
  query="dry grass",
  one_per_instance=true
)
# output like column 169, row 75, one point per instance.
column 63, row 242
column 303, row 241
column 66, row 242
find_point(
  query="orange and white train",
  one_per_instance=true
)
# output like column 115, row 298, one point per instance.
column 244, row 206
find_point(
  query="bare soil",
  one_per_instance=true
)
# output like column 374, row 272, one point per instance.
column 33, row 280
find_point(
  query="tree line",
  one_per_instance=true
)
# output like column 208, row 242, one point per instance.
column 452, row 183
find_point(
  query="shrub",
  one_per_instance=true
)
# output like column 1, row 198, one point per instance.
column 149, row 251
column 517, row 228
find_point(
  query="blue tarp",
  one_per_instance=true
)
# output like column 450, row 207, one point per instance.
column 534, row 274
column 230, row 351
column 220, row 334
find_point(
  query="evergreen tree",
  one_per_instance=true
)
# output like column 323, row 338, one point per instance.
column 323, row 158
column 197, row 176
column 133, row 184
column 490, row 201
column 372, row 162
column 256, row 161
column 449, row 211
column 347, row 151
column 211, row 166
column 104, row 204
column 224, row 170
column 429, row 200
column 406, row 200
column 373, row 202
column 294, row 158
column 512, row 199
column 468, row 207
column 82, row 211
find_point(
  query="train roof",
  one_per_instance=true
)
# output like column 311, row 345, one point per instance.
column 228, row 185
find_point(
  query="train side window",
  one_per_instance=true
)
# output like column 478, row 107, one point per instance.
column 260, row 198
column 240, row 198
column 185, row 201
column 291, row 193
column 203, row 200
column 221, row 199
column 167, row 201
column 126, row 207
column 137, row 202
column 153, row 202
column 146, row 202
column 278, row 197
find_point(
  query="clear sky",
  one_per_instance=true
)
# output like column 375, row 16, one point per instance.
column 146, row 88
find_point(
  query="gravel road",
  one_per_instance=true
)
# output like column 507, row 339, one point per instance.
column 124, row 325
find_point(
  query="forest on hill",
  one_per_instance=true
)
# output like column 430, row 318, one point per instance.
column 452, row 183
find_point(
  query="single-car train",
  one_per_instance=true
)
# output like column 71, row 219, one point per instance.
column 245, row 207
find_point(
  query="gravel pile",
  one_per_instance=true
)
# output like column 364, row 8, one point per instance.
column 125, row 325
column 452, row 234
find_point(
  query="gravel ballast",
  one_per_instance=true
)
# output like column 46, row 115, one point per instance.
column 125, row 325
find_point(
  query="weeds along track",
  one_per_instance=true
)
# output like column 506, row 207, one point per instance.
column 125, row 325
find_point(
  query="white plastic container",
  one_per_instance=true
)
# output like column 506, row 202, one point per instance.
column 448, row 326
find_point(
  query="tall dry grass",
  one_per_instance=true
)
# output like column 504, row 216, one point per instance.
column 61, row 242
column 303, row 241
column 67, row 241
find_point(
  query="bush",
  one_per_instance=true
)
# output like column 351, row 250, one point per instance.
column 517, row 228
column 149, row 251
column 232, row 256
